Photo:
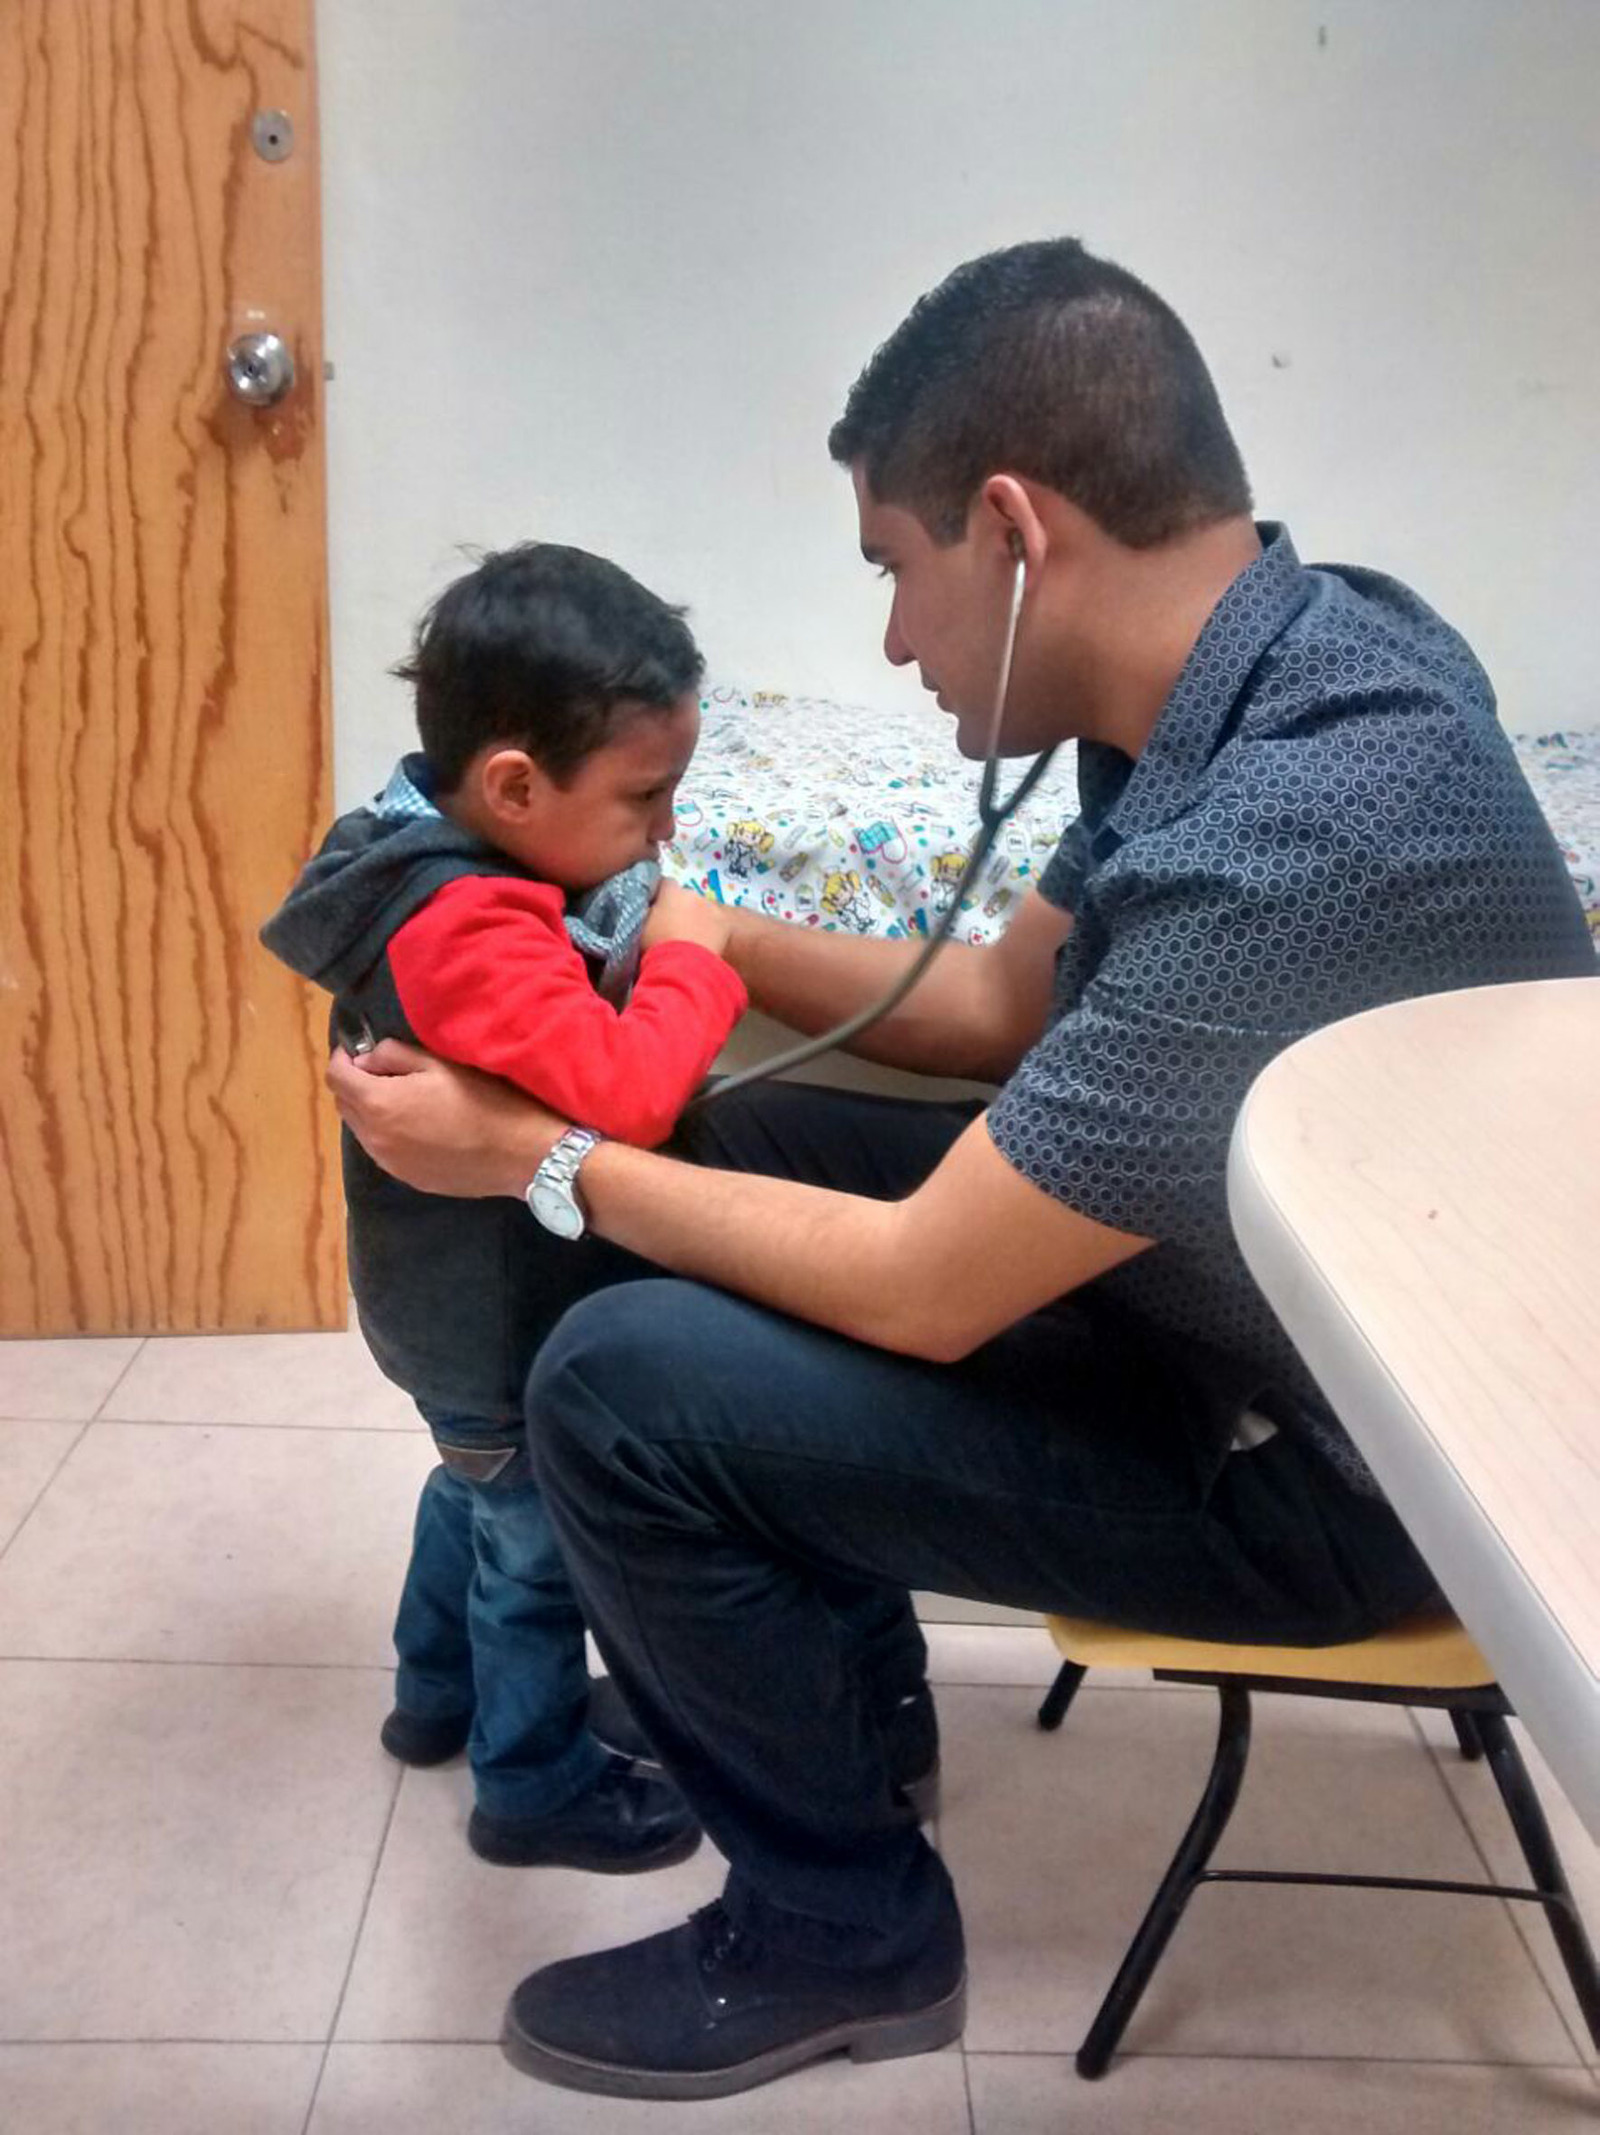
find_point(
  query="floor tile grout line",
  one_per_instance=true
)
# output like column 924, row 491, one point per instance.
column 121, row 1375
column 240, row 1423
column 1276, row 2060
column 355, row 1947
column 144, row 1660
column 356, row 2039
column 83, row 1431
column 1512, row 1912
column 174, row 2039
column 43, row 1490
column 966, row 2085
column 965, row 2053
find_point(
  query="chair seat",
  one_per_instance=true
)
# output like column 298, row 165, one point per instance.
column 1430, row 1652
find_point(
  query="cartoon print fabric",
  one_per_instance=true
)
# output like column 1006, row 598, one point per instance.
column 859, row 819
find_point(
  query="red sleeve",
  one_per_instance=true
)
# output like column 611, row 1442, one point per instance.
column 487, row 975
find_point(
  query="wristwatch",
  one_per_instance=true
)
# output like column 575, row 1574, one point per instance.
column 553, row 1195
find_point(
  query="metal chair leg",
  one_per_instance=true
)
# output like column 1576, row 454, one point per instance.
column 1466, row 1727
column 1187, row 1869
column 1060, row 1695
column 1539, row 1851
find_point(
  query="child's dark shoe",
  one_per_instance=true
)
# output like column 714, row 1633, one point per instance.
column 413, row 1740
column 630, row 1820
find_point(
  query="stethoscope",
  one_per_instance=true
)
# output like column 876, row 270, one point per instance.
column 992, row 818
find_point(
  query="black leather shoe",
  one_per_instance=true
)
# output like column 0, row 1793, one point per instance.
column 706, row 2009
column 628, row 1821
column 413, row 1740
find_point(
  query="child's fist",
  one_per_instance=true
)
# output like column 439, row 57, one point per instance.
column 680, row 915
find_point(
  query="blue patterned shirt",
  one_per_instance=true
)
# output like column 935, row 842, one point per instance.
column 1327, row 816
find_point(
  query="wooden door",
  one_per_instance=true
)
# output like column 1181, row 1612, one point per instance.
column 166, row 1153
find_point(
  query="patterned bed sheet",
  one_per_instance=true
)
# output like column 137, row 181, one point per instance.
column 852, row 817
column 1564, row 772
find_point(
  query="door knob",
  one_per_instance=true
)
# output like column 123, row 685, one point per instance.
column 260, row 369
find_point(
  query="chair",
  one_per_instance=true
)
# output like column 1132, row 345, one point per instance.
column 1427, row 1661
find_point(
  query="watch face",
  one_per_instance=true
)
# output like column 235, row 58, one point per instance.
column 556, row 1212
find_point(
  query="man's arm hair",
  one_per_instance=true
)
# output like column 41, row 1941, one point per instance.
column 974, row 1014
column 974, row 1249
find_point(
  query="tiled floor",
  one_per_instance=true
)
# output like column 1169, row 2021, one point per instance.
column 224, row 1912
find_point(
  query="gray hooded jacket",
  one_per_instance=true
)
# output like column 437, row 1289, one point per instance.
column 448, row 1292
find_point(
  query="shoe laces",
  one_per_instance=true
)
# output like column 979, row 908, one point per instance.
column 723, row 1943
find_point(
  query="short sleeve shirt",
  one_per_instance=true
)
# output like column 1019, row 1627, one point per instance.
column 1327, row 816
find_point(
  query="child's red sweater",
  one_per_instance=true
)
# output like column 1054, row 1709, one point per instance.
column 487, row 976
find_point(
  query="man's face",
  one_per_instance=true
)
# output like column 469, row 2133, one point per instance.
column 948, row 611
column 617, row 807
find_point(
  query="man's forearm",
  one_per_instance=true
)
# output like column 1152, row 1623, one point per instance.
column 987, row 1245
column 812, row 980
column 825, row 1257
column 831, row 1258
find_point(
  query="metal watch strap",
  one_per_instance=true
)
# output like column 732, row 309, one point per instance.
column 560, row 1167
column 552, row 1193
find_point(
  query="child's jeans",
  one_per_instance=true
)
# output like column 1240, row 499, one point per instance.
column 488, row 1624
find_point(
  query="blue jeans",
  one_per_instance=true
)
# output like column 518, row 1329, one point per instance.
column 743, row 1500
column 488, row 1624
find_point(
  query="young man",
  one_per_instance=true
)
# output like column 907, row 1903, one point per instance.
column 1015, row 1355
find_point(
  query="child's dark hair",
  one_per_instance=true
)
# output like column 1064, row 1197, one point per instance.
column 539, row 647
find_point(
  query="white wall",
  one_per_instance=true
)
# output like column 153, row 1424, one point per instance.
column 603, row 270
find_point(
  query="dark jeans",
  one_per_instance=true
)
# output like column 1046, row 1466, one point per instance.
column 488, row 1624
column 743, row 1500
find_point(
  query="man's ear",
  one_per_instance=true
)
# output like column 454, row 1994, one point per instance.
column 1006, row 514
column 512, row 784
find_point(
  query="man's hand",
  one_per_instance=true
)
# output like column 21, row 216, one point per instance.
column 441, row 1128
column 680, row 915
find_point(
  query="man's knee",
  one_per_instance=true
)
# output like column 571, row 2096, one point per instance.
column 603, row 1354
column 608, row 1363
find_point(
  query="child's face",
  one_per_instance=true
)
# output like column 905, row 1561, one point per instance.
column 616, row 809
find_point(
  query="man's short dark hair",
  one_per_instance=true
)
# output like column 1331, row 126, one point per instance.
column 541, row 646
column 1046, row 362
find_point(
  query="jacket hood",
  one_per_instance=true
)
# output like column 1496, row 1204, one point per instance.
column 370, row 875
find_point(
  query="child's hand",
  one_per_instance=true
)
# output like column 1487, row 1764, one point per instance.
column 679, row 915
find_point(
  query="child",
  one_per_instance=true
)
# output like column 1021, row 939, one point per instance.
column 489, row 906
